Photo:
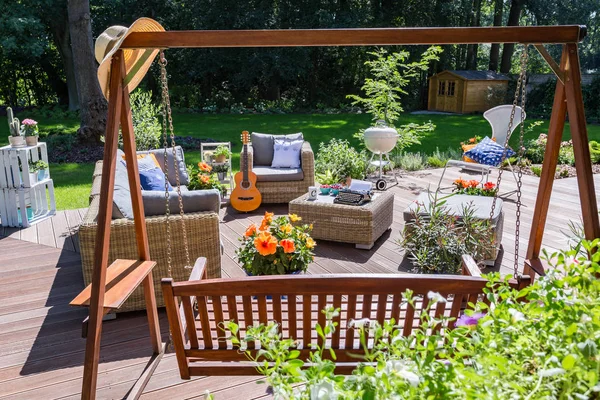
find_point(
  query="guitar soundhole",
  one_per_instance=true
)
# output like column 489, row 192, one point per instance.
column 245, row 185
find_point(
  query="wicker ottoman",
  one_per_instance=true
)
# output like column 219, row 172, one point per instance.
column 361, row 225
column 454, row 205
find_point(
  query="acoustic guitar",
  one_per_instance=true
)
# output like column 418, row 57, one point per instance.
column 245, row 197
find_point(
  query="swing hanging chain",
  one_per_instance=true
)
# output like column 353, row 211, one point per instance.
column 164, row 93
column 520, row 91
column 167, row 107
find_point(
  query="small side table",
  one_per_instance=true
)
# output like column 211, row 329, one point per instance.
column 361, row 225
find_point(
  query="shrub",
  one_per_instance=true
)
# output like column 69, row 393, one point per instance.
column 436, row 240
column 537, row 170
column 595, row 151
column 439, row 158
column 537, row 343
column 410, row 161
column 535, row 149
column 341, row 159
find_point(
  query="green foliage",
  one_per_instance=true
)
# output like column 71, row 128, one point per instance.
column 540, row 342
column 595, row 151
column 341, row 159
column 328, row 178
column 438, row 159
column 204, row 179
column 537, row 170
column 37, row 166
column 436, row 240
column 146, row 124
column 221, row 167
column 535, row 148
column 222, row 150
column 409, row 161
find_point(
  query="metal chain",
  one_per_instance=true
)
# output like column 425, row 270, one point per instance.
column 520, row 91
column 164, row 94
column 167, row 106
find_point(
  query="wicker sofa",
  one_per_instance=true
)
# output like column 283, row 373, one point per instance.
column 271, row 182
column 202, row 234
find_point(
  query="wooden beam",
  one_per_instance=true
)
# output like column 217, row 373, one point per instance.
column 560, row 75
column 355, row 37
column 542, row 202
column 581, row 148
column 92, row 346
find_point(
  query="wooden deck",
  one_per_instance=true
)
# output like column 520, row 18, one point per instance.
column 41, row 351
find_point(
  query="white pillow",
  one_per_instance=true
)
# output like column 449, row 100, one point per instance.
column 286, row 153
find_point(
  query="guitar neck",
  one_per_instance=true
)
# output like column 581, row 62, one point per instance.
column 245, row 163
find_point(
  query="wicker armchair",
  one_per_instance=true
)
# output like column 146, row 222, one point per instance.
column 202, row 234
column 286, row 191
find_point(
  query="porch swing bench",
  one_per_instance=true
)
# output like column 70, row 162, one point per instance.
column 203, row 344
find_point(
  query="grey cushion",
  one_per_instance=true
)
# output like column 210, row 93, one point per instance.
column 122, row 207
column 160, row 157
column 262, row 144
column 269, row 174
column 193, row 201
column 454, row 205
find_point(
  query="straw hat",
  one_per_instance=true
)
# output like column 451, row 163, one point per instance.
column 137, row 61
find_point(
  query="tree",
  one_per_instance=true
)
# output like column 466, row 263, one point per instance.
column 471, row 62
column 495, row 49
column 513, row 20
column 92, row 102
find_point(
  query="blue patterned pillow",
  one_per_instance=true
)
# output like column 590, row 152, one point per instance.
column 488, row 152
column 153, row 179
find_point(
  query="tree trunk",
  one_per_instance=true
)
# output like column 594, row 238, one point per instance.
column 474, row 48
column 60, row 33
column 91, row 100
column 495, row 49
column 513, row 20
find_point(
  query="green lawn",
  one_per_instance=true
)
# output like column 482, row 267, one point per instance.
column 73, row 181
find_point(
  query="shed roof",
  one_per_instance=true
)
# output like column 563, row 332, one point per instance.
column 478, row 75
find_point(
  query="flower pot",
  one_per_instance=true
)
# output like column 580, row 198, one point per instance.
column 16, row 141
column 33, row 178
column 335, row 192
column 31, row 140
column 269, row 297
column 41, row 175
column 325, row 190
column 220, row 158
column 221, row 176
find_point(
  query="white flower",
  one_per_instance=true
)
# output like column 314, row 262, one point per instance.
column 585, row 318
column 359, row 323
column 435, row 297
column 323, row 391
column 516, row 315
column 398, row 367
column 550, row 372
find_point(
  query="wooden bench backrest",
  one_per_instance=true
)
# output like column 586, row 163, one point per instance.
column 295, row 303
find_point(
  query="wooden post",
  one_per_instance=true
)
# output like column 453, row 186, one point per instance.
column 542, row 202
column 92, row 347
column 139, row 219
column 581, row 149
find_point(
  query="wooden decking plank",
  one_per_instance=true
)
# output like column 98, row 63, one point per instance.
column 45, row 232
column 62, row 233
column 74, row 219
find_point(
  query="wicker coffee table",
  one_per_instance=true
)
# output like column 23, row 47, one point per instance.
column 361, row 225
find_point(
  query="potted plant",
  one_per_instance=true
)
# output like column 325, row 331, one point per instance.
column 31, row 131
column 16, row 133
column 37, row 171
column 221, row 170
column 222, row 153
column 278, row 246
column 202, row 177
column 335, row 188
column 327, row 180
column 474, row 188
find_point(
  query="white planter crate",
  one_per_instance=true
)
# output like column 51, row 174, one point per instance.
column 24, row 207
column 14, row 164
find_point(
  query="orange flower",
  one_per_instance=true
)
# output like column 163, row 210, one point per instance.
column 294, row 218
column 460, row 183
column 473, row 183
column 288, row 245
column 310, row 243
column 250, row 231
column 265, row 243
column 287, row 229
column 472, row 140
column 268, row 218
column 204, row 167
column 204, row 179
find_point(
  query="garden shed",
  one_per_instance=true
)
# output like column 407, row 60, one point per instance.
column 466, row 91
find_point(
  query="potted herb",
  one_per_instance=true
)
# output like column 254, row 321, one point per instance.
column 37, row 171
column 278, row 246
column 16, row 133
column 31, row 131
column 221, row 170
column 222, row 153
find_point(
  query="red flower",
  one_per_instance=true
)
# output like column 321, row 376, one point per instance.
column 489, row 186
column 288, row 245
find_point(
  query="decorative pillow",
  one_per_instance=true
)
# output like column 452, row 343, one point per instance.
column 465, row 148
column 153, row 179
column 263, row 143
column 286, row 153
column 488, row 152
column 146, row 161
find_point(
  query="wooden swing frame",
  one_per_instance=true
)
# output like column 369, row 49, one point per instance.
column 110, row 287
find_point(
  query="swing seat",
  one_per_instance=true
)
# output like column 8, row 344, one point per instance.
column 454, row 204
column 200, row 337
